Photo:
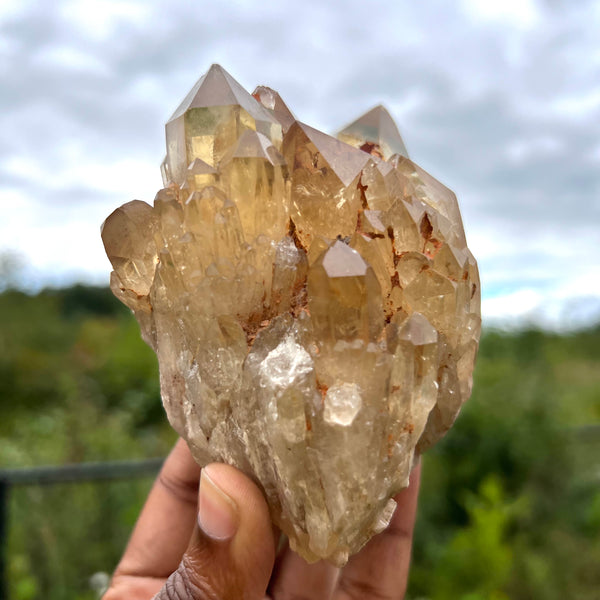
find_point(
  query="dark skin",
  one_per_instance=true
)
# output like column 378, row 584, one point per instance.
column 237, row 559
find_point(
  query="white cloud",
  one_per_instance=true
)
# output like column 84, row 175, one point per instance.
column 123, row 176
column 571, row 300
column 12, row 8
column 488, row 97
column 99, row 19
column 535, row 147
column 578, row 106
column 70, row 58
column 528, row 307
column 516, row 305
column 59, row 244
column 594, row 154
column 77, row 252
column 516, row 13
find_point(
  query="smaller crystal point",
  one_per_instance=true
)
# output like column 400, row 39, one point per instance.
column 343, row 160
column 375, row 133
column 199, row 167
column 255, row 145
column 342, row 403
column 199, row 175
column 131, row 251
column 341, row 261
column 272, row 101
column 344, row 296
column 418, row 330
column 430, row 192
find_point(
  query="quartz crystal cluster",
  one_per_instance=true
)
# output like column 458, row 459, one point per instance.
column 312, row 302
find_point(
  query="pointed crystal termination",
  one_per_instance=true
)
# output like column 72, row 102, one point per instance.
column 272, row 101
column 325, row 174
column 127, row 237
column 200, row 174
column 312, row 303
column 210, row 119
column 375, row 133
column 420, row 184
column 344, row 296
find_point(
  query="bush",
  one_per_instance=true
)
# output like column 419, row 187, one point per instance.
column 509, row 505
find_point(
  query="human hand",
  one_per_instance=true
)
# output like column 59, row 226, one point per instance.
column 231, row 554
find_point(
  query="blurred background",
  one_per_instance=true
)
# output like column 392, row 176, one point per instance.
column 498, row 99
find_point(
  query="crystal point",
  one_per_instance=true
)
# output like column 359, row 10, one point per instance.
column 272, row 101
column 344, row 296
column 312, row 302
column 210, row 119
column 325, row 197
column 375, row 133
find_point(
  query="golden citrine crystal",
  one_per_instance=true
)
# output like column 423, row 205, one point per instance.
column 312, row 302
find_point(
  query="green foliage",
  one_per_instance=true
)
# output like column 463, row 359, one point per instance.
column 76, row 384
column 509, row 501
column 509, row 509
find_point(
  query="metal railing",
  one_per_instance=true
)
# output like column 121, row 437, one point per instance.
column 106, row 471
column 76, row 473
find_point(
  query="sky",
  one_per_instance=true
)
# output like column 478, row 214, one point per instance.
column 498, row 99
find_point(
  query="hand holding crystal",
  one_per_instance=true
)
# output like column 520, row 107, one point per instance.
column 232, row 550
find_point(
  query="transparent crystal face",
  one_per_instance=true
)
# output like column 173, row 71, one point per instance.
column 312, row 302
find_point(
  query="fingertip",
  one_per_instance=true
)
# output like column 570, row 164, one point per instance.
column 237, row 486
column 234, row 515
column 218, row 514
column 253, row 509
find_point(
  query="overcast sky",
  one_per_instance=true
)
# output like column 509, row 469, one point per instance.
column 499, row 99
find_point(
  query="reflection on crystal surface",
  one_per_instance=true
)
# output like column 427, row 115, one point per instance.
column 312, row 302
column 342, row 404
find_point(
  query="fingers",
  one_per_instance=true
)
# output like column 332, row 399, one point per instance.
column 295, row 579
column 231, row 553
column 163, row 530
column 380, row 570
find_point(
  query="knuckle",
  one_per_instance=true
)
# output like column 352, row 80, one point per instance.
column 398, row 533
column 356, row 589
column 181, row 586
column 181, row 490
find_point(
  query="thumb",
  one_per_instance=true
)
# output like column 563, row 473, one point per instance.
column 232, row 550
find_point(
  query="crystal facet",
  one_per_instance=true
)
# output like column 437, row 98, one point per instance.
column 376, row 133
column 312, row 302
